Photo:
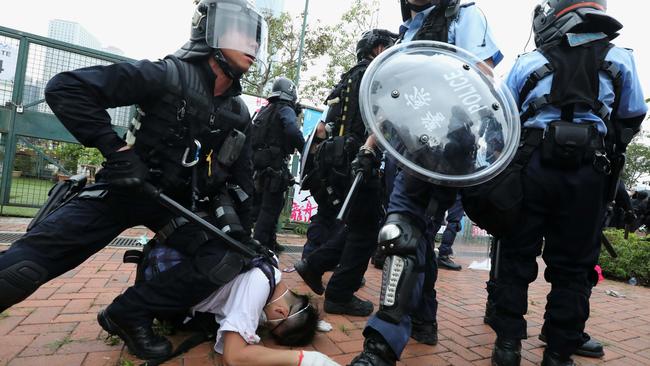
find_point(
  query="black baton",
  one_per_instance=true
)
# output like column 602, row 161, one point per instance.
column 179, row 210
column 608, row 246
column 343, row 213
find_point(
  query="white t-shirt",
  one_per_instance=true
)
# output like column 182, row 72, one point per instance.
column 237, row 306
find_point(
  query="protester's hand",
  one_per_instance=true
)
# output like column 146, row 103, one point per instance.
column 366, row 162
column 313, row 358
column 124, row 168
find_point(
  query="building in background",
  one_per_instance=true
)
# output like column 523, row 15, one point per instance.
column 275, row 7
column 73, row 32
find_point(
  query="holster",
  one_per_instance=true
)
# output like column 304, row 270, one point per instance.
column 568, row 145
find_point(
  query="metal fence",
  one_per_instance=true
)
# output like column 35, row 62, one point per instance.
column 30, row 135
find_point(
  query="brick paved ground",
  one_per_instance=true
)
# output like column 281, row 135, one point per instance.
column 56, row 325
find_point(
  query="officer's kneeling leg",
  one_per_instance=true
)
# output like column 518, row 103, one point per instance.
column 398, row 240
column 18, row 281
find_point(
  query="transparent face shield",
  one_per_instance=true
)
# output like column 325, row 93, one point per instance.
column 237, row 27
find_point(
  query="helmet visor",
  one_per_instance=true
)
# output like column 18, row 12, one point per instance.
column 236, row 26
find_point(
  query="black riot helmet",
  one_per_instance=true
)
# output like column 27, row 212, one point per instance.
column 283, row 89
column 552, row 19
column 373, row 38
column 231, row 24
column 450, row 5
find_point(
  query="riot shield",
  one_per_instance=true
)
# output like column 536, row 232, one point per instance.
column 307, row 156
column 438, row 110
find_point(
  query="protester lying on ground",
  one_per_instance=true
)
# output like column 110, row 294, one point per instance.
column 255, row 299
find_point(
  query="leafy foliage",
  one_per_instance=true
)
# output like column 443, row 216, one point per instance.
column 633, row 257
column 360, row 17
column 283, row 49
column 637, row 163
column 71, row 155
column 334, row 43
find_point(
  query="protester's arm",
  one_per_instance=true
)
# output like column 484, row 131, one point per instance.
column 236, row 352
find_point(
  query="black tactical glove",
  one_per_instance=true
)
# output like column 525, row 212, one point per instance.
column 125, row 169
column 366, row 162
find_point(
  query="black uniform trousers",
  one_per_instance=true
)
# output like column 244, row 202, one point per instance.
column 565, row 208
column 79, row 229
column 363, row 223
column 326, row 238
column 267, row 207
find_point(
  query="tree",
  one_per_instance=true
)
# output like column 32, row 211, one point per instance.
column 284, row 44
column 637, row 163
column 341, row 53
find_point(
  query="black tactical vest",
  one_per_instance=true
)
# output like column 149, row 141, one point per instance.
column 436, row 25
column 188, row 111
column 575, row 79
column 268, row 130
column 346, row 112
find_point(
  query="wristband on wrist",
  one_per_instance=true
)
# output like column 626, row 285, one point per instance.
column 300, row 357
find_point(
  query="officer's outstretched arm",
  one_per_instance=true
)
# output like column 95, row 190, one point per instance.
column 237, row 352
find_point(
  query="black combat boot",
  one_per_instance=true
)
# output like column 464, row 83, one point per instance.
column 141, row 340
column 354, row 307
column 376, row 352
column 506, row 352
column 589, row 347
column 424, row 332
column 553, row 359
column 489, row 312
column 445, row 262
column 313, row 280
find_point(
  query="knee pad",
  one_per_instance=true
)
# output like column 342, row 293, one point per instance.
column 399, row 236
column 19, row 281
column 397, row 281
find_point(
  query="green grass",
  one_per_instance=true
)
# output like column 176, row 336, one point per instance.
column 26, row 191
column 344, row 329
column 29, row 191
column 112, row 340
column 58, row 344
column 123, row 362
column 18, row 211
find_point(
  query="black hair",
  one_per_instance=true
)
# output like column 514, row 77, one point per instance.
column 303, row 333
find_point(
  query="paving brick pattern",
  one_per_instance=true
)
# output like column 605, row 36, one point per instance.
column 56, row 325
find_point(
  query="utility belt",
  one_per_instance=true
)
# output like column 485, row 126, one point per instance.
column 273, row 180
column 267, row 156
column 569, row 146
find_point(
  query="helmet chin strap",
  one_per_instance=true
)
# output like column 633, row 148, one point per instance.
column 225, row 66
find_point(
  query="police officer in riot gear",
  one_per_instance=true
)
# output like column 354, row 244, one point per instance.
column 580, row 119
column 408, row 303
column 275, row 135
column 349, row 150
column 188, row 139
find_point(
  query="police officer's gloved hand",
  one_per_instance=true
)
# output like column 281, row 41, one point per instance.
column 125, row 169
column 366, row 162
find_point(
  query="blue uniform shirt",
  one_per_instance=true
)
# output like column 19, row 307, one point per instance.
column 632, row 102
column 468, row 31
column 293, row 136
